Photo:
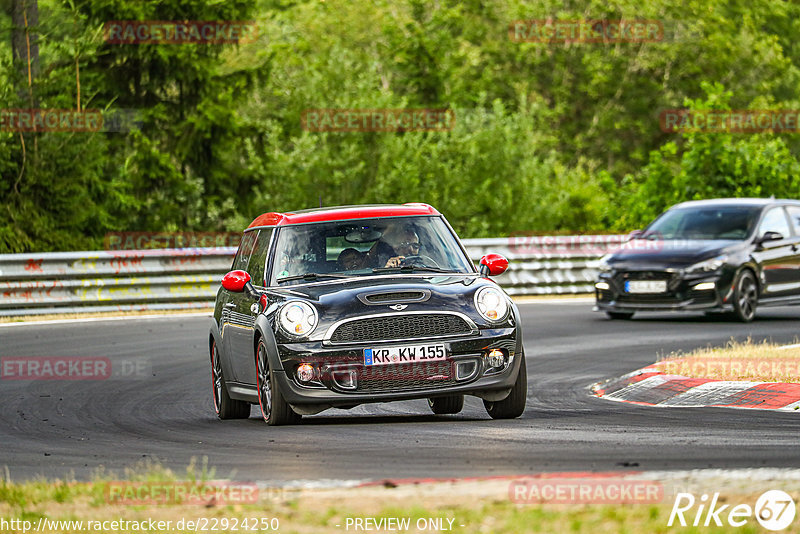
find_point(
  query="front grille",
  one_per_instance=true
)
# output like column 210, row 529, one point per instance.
column 641, row 298
column 397, row 296
column 400, row 327
column 405, row 377
column 697, row 297
column 642, row 275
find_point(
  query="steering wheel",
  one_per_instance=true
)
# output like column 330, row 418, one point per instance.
column 423, row 261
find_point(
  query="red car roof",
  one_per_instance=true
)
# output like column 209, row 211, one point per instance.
column 342, row 213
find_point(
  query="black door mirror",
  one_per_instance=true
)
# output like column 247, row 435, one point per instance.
column 769, row 236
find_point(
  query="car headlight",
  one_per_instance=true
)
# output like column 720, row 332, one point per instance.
column 708, row 266
column 297, row 318
column 491, row 304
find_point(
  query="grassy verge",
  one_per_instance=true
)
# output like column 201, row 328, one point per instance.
column 750, row 361
column 469, row 506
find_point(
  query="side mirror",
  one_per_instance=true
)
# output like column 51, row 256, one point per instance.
column 493, row 264
column 635, row 234
column 769, row 236
column 238, row 282
column 235, row 281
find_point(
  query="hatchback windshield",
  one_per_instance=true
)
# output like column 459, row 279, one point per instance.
column 307, row 252
column 723, row 222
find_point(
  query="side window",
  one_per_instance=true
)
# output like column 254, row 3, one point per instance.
column 794, row 216
column 244, row 252
column 259, row 257
column 774, row 221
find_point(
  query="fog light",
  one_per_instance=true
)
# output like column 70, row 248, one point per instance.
column 601, row 285
column 495, row 358
column 704, row 286
column 305, row 372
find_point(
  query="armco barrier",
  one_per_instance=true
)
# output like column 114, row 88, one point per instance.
column 74, row 282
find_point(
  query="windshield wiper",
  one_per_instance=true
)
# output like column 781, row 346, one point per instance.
column 310, row 277
column 410, row 268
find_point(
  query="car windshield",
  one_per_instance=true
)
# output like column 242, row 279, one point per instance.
column 337, row 249
column 723, row 222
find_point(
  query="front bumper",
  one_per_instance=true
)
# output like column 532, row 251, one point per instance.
column 681, row 294
column 463, row 371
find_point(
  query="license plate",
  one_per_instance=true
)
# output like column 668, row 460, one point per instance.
column 409, row 354
column 646, row 286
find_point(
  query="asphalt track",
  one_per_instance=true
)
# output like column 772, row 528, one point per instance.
column 75, row 428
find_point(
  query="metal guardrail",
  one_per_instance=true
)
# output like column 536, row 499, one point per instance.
column 82, row 282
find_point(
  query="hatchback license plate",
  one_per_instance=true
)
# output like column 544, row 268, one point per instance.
column 646, row 286
column 409, row 354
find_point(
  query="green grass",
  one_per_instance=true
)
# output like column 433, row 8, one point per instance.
column 482, row 510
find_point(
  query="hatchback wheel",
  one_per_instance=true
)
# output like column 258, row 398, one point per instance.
column 745, row 297
column 513, row 405
column 275, row 410
column 224, row 405
column 446, row 405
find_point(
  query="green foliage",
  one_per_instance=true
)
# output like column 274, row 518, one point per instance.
column 548, row 136
column 710, row 165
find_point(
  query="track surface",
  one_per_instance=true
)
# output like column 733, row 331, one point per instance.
column 72, row 428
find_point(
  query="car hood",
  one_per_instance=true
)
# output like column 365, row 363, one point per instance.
column 336, row 292
column 670, row 253
column 337, row 300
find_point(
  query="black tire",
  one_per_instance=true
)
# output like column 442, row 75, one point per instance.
column 224, row 405
column 745, row 297
column 619, row 315
column 446, row 405
column 274, row 409
column 513, row 405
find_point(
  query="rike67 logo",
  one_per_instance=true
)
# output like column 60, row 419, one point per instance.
column 774, row 510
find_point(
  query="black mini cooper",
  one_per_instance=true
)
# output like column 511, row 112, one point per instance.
column 336, row 307
column 723, row 255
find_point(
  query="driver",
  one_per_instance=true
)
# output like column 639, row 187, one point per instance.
column 395, row 245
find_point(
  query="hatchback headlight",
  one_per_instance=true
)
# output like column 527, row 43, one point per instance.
column 297, row 318
column 491, row 304
column 708, row 266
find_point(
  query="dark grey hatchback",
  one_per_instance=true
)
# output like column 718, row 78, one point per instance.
column 336, row 307
column 723, row 255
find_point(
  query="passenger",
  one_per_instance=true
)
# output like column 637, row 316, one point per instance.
column 350, row 260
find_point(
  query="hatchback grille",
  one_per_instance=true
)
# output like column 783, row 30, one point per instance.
column 400, row 327
column 643, row 275
column 648, row 299
column 405, row 377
